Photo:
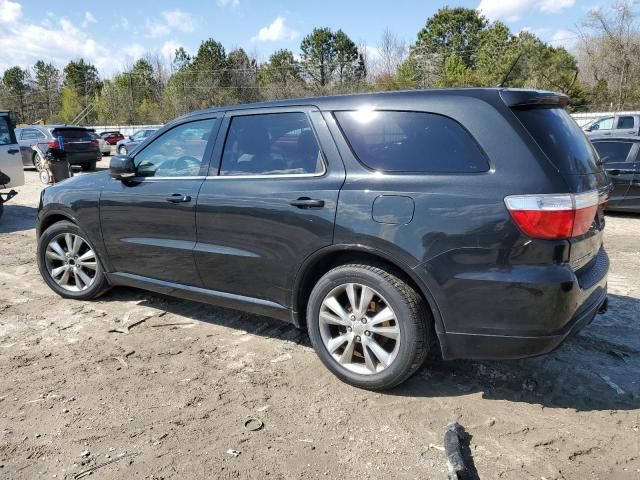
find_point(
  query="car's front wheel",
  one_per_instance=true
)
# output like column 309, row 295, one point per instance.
column 368, row 326
column 69, row 264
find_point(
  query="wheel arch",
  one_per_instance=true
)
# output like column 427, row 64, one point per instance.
column 325, row 259
column 53, row 217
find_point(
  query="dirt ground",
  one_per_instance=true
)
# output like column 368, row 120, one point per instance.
column 169, row 399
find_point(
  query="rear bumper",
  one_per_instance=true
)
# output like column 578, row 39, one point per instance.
column 80, row 158
column 478, row 346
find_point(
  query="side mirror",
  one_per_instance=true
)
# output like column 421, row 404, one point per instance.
column 122, row 167
column 130, row 137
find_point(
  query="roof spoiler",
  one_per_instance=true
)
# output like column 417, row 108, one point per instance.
column 533, row 98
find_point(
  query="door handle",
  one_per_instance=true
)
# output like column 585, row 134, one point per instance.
column 614, row 172
column 178, row 198
column 306, row 202
column 13, row 150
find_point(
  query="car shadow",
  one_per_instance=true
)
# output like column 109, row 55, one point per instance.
column 17, row 218
column 598, row 369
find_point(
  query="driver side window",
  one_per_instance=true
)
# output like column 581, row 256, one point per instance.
column 176, row 153
column 604, row 124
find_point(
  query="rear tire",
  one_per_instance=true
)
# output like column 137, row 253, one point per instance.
column 122, row 150
column 37, row 161
column 391, row 338
column 88, row 167
column 50, row 259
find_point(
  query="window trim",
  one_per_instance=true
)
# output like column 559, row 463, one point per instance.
column 206, row 156
column 225, row 127
column 489, row 168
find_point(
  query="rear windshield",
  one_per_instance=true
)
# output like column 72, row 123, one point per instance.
column 76, row 134
column 560, row 138
column 411, row 142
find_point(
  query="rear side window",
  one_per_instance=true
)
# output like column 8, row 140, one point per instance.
column 415, row 142
column 271, row 144
column 611, row 152
column 625, row 122
column 560, row 138
column 72, row 134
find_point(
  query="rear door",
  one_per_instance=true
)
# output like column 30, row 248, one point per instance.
column 269, row 202
column 626, row 125
column 632, row 198
column 28, row 137
column 617, row 158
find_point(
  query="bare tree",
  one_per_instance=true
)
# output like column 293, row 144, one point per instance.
column 392, row 51
column 609, row 52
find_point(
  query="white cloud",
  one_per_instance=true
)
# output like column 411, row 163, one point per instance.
column 134, row 51
column 514, row 10
column 88, row 19
column 9, row 11
column 276, row 31
column 228, row 3
column 172, row 20
column 563, row 38
column 181, row 20
column 553, row 6
column 168, row 49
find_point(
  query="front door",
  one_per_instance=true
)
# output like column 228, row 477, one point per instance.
column 270, row 204
column 632, row 198
column 148, row 222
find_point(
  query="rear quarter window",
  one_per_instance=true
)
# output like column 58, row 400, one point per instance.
column 411, row 142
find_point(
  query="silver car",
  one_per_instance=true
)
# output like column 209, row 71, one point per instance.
column 11, row 172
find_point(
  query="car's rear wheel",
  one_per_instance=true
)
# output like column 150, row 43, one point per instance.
column 122, row 150
column 88, row 167
column 69, row 264
column 368, row 326
column 37, row 161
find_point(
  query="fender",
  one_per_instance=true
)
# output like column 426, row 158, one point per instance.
column 311, row 260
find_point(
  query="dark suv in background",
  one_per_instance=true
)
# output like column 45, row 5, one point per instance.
column 81, row 148
column 383, row 224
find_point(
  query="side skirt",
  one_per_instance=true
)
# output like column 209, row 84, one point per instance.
column 221, row 299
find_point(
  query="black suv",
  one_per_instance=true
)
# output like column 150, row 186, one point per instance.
column 383, row 224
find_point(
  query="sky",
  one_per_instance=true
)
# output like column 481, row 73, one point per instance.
column 113, row 34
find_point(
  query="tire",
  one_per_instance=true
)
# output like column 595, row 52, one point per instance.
column 88, row 167
column 37, row 161
column 411, row 322
column 122, row 150
column 57, row 232
column 1, row 209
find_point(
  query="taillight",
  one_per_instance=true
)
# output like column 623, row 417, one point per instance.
column 95, row 142
column 53, row 143
column 554, row 216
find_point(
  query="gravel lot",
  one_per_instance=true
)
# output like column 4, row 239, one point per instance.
column 77, row 390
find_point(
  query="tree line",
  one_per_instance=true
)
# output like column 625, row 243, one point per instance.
column 458, row 47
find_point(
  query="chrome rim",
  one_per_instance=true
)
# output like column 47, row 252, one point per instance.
column 37, row 161
column 71, row 262
column 359, row 328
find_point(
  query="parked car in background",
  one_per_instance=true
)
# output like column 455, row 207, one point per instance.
column 11, row 171
column 383, row 224
column 620, row 124
column 127, row 145
column 621, row 159
column 81, row 148
column 105, row 148
column 112, row 137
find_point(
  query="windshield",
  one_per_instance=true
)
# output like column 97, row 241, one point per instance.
column 560, row 138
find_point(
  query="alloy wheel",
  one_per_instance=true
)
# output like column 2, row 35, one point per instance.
column 71, row 262
column 359, row 328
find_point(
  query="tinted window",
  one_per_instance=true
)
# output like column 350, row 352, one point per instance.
column 625, row 122
column 560, row 138
column 271, row 144
column 604, row 124
column 72, row 134
column 411, row 142
column 176, row 153
column 613, row 151
column 5, row 132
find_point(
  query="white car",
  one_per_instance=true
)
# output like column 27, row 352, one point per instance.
column 11, row 171
column 105, row 148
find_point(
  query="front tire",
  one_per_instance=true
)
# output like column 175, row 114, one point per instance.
column 69, row 264
column 368, row 326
